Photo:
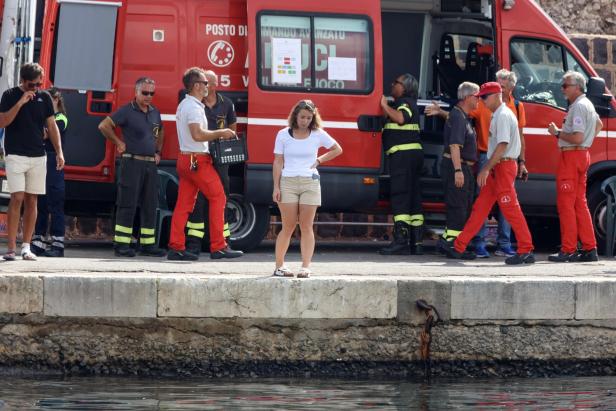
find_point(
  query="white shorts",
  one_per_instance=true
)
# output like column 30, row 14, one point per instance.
column 26, row 173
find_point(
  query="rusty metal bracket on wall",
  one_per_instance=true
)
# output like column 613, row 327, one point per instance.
column 425, row 337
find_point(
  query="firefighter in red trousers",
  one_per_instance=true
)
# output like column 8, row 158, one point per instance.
column 496, row 179
column 196, row 171
column 581, row 126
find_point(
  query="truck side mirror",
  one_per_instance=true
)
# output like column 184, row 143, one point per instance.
column 595, row 91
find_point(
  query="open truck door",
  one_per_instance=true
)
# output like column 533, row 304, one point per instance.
column 539, row 52
column 81, row 64
column 333, row 57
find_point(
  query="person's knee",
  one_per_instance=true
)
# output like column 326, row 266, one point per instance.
column 288, row 228
column 306, row 227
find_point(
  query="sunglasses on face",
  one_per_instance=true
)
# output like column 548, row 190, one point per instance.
column 397, row 82
column 565, row 85
column 32, row 85
column 147, row 93
column 485, row 96
column 204, row 82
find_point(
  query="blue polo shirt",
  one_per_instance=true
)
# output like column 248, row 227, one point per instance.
column 139, row 129
column 222, row 114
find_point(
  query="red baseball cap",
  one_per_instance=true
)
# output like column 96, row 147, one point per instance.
column 491, row 87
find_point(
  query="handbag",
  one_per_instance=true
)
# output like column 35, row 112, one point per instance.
column 225, row 152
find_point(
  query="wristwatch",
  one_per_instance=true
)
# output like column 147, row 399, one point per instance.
column 457, row 170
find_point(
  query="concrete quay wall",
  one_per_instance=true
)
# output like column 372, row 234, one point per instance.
column 342, row 325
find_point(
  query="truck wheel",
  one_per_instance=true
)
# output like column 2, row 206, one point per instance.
column 249, row 224
column 598, row 208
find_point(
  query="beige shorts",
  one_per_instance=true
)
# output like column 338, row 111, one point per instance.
column 26, row 173
column 300, row 190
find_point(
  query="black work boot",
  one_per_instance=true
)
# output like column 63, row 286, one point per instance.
column 526, row 258
column 38, row 245
column 54, row 252
column 123, row 250
column 447, row 247
column 562, row 257
column 152, row 251
column 226, row 252
column 181, row 255
column 400, row 243
column 193, row 244
column 417, row 233
column 586, row 256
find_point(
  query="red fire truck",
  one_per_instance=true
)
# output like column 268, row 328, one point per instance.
column 343, row 55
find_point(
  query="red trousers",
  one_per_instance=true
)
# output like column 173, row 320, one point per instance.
column 575, row 220
column 206, row 180
column 499, row 187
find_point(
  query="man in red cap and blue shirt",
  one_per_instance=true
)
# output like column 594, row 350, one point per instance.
column 496, row 179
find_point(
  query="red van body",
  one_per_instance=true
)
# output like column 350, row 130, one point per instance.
column 268, row 54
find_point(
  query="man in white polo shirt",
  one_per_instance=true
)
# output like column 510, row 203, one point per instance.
column 581, row 126
column 496, row 179
column 196, row 171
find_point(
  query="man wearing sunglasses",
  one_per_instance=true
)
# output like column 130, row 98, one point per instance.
column 140, row 151
column 220, row 113
column 25, row 112
column 581, row 126
column 196, row 171
column 496, row 179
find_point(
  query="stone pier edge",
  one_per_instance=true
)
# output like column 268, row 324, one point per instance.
column 457, row 299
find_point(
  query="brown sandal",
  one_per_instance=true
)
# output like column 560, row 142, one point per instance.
column 304, row 272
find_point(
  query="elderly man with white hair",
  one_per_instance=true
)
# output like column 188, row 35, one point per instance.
column 581, row 126
column 459, row 157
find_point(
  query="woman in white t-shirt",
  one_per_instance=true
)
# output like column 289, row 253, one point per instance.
column 297, row 188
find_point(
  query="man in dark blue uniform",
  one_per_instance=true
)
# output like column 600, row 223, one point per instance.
column 404, row 153
column 220, row 114
column 459, row 156
column 138, row 179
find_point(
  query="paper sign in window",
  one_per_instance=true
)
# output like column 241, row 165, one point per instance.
column 286, row 61
column 342, row 68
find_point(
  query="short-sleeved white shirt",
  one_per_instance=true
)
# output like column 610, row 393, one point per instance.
column 581, row 118
column 190, row 111
column 300, row 154
column 504, row 129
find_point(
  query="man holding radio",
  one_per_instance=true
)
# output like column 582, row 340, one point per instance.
column 220, row 113
column 196, row 171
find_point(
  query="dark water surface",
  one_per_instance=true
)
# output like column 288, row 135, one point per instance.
column 110, row 393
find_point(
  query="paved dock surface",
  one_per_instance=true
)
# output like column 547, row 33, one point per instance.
column 331, row 259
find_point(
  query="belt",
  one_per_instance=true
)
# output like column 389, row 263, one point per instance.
column 503, row 159
column 404, row 147
column 574, row 148
column 467, row 162
column 151, row 159
column 192, row 153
